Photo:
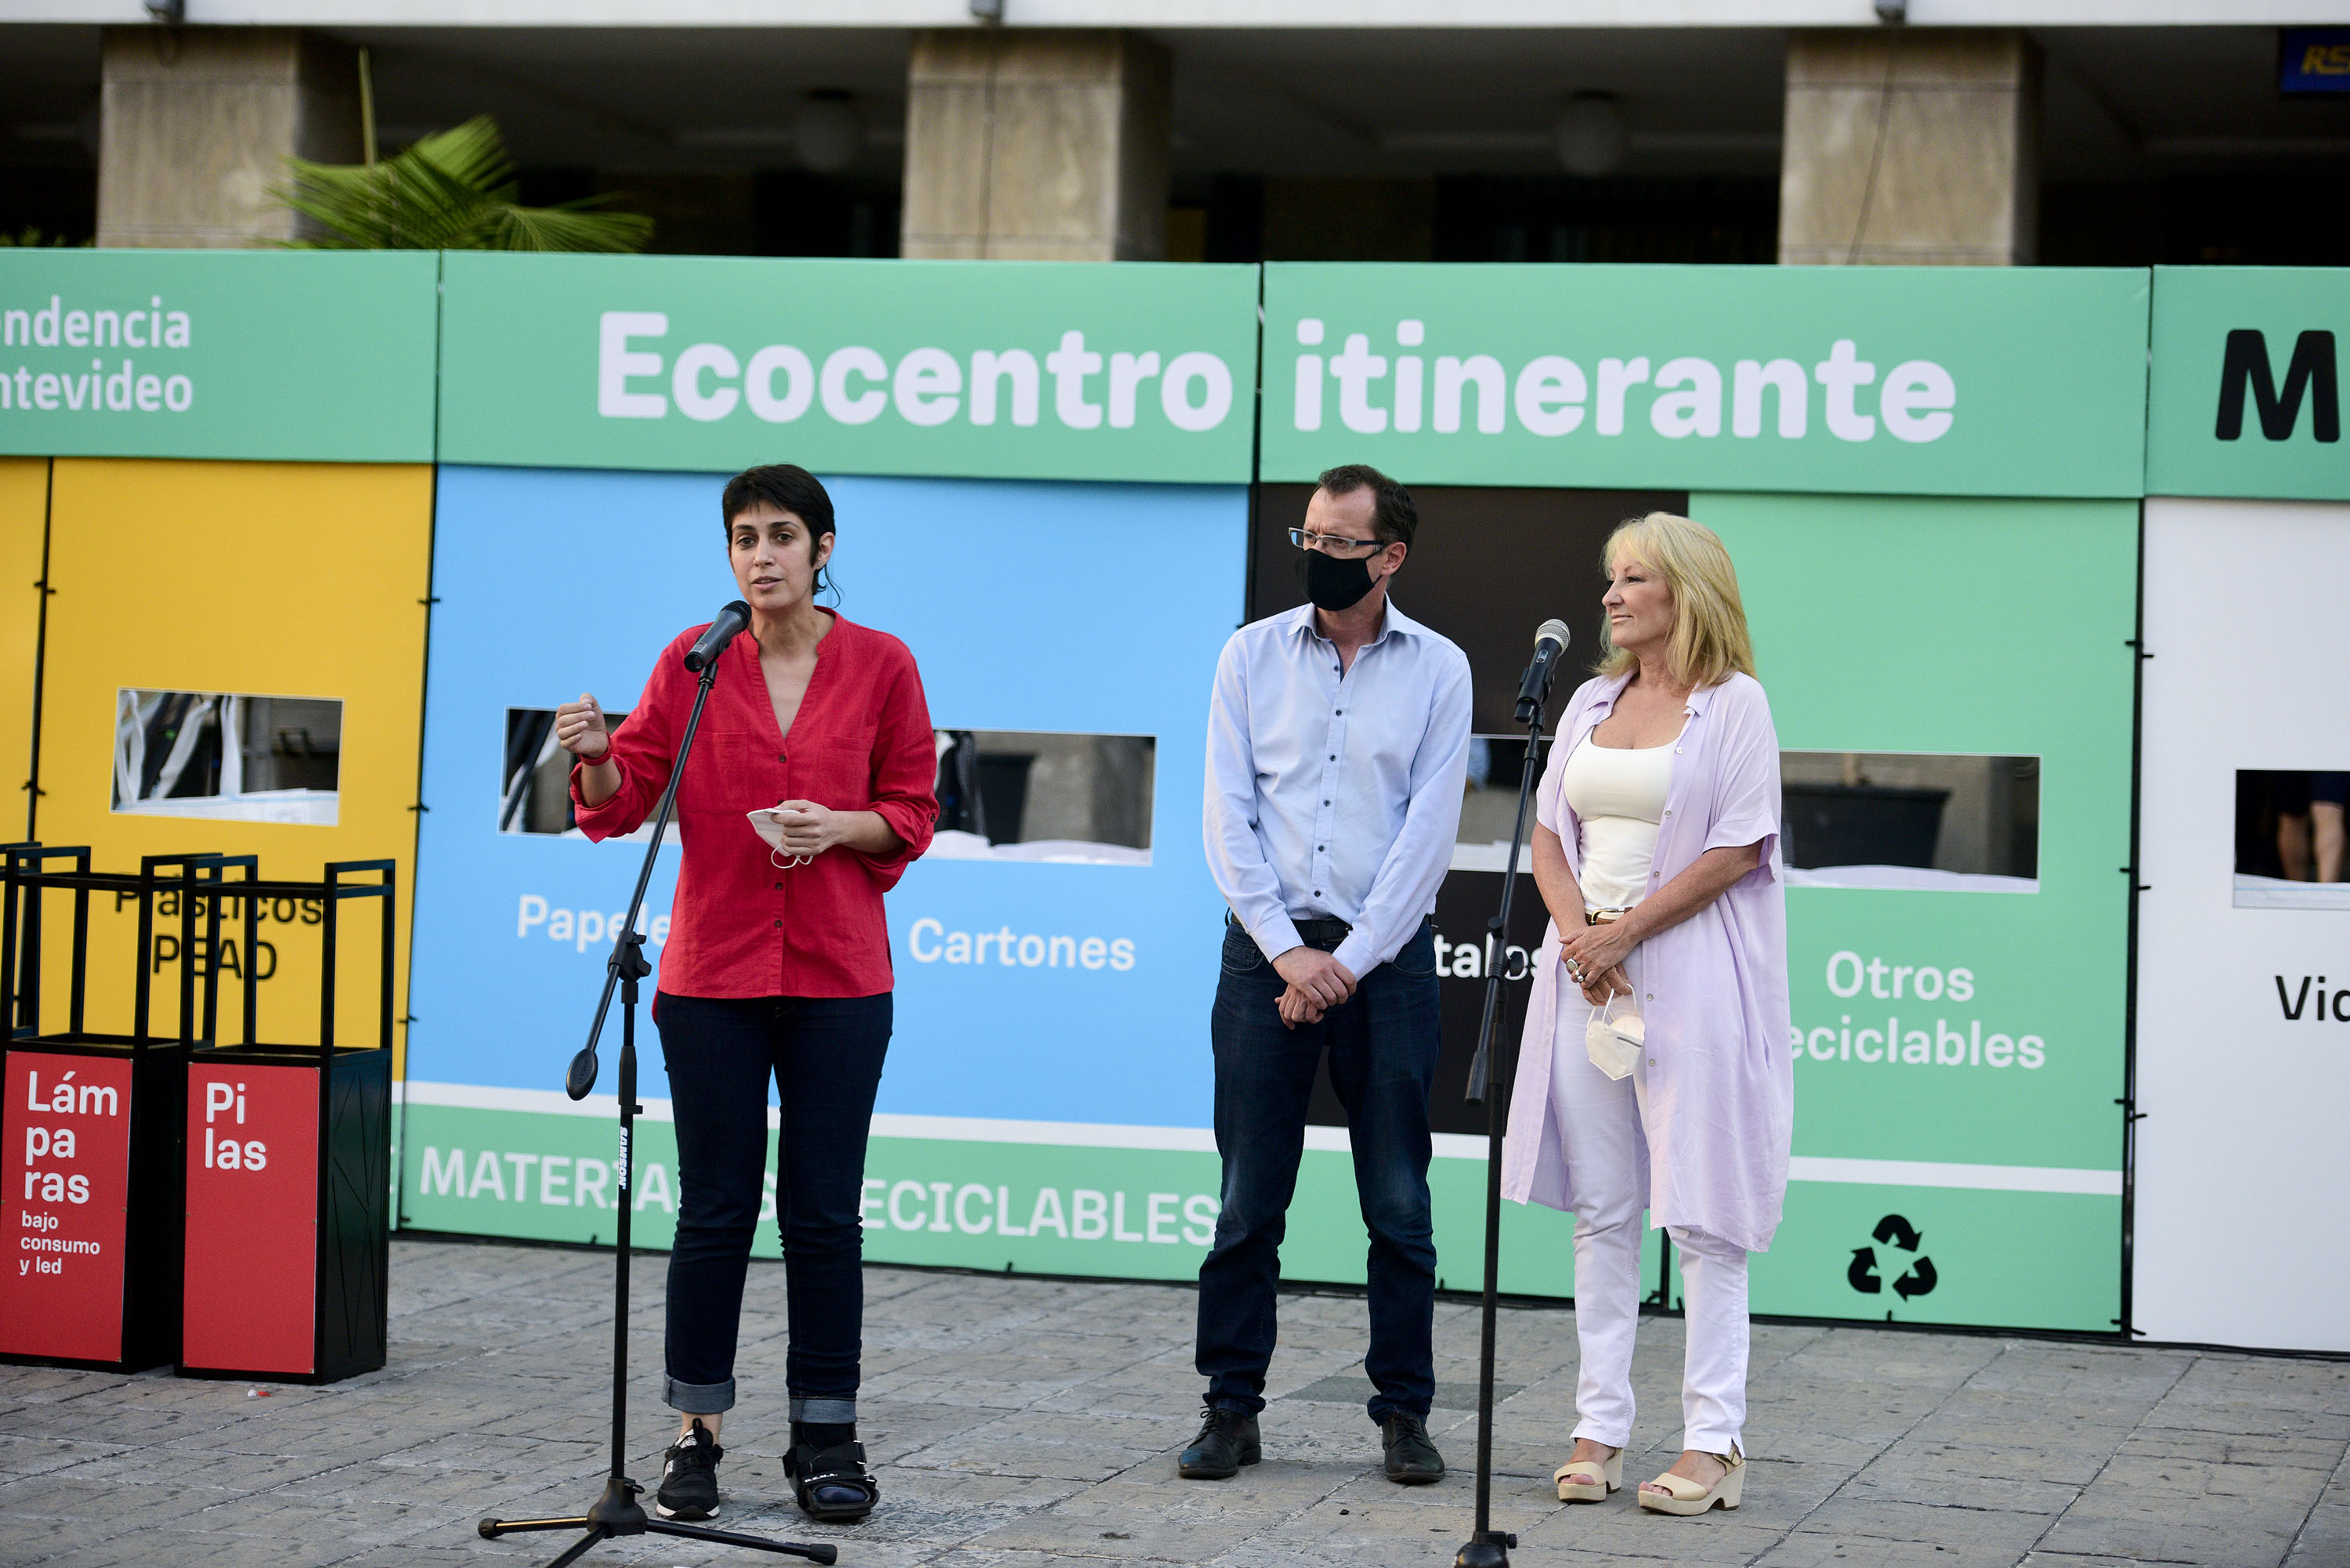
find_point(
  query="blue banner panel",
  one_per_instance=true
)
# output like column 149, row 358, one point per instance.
column 1087, row 1001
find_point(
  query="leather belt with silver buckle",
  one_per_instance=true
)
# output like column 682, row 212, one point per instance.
column 1324, row 934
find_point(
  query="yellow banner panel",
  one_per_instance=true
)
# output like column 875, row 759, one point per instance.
column 236, row 663
column 24, row 513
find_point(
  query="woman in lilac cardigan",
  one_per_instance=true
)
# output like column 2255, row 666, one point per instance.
column 1657, row 856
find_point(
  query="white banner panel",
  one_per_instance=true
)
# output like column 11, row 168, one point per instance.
column 2243, row 1034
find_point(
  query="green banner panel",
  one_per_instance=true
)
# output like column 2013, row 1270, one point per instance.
column 2246, row 398
column 1955, row 629
column 1939, row 1255
column 992, row 370
column 1035, row 1208
column 289, row 356
column 1887, row 380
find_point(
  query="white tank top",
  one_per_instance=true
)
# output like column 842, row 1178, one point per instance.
column 1619, row 796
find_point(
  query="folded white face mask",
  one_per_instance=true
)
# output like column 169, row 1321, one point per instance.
column 763, row 823
column 1613, row 1045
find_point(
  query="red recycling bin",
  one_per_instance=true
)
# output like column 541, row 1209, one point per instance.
column 289, row 1214
column 87, row 1281
column 90, row 1122
column 286, row 1157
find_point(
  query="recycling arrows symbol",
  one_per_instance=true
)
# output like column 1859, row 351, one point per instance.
column 1895, row 1231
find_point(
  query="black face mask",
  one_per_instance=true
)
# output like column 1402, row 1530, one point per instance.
column 1335, row 585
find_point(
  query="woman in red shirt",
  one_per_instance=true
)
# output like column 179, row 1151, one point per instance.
column 777, row 964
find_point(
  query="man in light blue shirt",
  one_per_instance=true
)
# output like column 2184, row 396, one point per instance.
column 1337, row 751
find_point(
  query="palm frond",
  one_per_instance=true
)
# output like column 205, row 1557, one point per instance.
column 581, row 225
column 454, row 191
column 32, row 238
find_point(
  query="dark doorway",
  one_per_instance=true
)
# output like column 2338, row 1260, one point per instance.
column 1488, row 567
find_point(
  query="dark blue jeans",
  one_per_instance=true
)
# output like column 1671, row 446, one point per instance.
column 1382, row 1042
column 824, row 1056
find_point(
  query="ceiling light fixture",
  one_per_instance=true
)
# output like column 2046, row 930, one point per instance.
column 829, row 133
column 1590, row 135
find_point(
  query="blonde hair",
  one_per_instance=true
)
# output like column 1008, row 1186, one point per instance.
column 1709, row 640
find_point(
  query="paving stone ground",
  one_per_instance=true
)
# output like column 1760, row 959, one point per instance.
column 1018, row 1421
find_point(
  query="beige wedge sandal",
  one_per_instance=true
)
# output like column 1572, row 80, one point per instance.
column 1589, row 1481
column 1690, row 1499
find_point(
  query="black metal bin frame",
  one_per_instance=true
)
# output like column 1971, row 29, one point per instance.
column 354, row 1083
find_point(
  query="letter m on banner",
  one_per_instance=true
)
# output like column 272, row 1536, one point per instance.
column 2311, row 374
column 441, row 1180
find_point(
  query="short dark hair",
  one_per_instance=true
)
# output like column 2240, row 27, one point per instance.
column 787, row 487
column 1394, row 518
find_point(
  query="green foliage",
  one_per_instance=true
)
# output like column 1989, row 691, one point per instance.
column 30, row 238
column 452, row 191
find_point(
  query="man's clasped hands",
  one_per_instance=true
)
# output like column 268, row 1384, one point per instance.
column 1317, row 982
column 1594, row 956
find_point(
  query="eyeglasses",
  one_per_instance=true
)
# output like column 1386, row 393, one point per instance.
column 1334, row 544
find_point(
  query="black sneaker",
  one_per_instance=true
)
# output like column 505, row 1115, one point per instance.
column 1412, row 1459
column 1227, row 1440
column 689, row 1484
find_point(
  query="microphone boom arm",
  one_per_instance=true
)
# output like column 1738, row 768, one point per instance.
column 1488, row 1547
column 627, row 960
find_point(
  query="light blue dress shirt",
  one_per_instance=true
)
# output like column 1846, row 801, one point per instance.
column 1331, row 795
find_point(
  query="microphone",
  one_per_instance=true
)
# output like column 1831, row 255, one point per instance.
column 1550, row 646
column 728, row 626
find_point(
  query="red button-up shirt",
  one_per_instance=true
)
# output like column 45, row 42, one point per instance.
column 861, row 742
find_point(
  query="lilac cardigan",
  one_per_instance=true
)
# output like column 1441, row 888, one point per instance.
column 1721, row 1084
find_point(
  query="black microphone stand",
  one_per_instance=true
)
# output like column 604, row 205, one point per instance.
column 618, row 1512
column 1488, row 1547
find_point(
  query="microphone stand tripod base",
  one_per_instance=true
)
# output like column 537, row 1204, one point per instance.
column 1489, row 1550
column 618, row 1512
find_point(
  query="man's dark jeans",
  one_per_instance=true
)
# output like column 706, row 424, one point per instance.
column 824, row 1054
column 1382, row 1042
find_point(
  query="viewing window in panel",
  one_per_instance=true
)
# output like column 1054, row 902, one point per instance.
column 227, row 756
column 1024, row 794
column 1489, row 808
column 2289, row 839
column 534, row 790
column 1910, row 819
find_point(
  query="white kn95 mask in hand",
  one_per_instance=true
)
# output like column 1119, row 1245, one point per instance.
column 767, row 825
column 1614, row 1044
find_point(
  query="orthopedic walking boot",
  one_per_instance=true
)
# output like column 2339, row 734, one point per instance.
column 1412, row 1459
column 689, row 1483
column 830, row 1481
column 1227, row 1440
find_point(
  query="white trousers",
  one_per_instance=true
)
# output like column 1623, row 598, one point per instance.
column 1600, row 1131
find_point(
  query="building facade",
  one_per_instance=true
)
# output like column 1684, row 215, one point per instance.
column 1991, row 133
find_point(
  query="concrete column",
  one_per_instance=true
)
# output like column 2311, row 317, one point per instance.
column 196, row 122
column 1036, row 145
column 1910, row 146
